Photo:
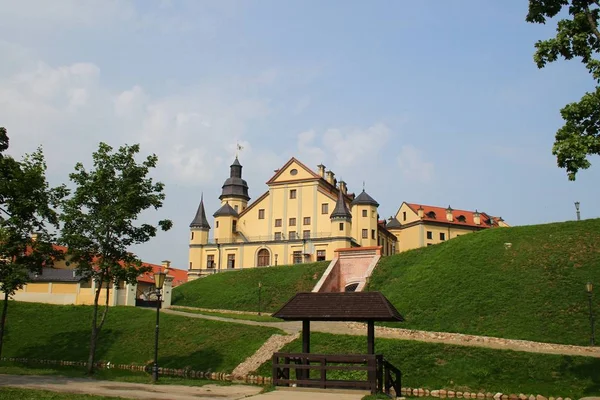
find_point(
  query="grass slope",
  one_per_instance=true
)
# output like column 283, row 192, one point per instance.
column 436, row 366
column 472, row 284
column 238, row 290
column 45, row 331
column 7, row 393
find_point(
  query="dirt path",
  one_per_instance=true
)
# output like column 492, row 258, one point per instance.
column 128, row 390
column 358, row 329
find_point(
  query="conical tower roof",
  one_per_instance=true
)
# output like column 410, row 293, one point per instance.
column 365, row 199
column 225, row 210
column 235, row 186
column 200, row 220
column 393, row 223
column 340, row 211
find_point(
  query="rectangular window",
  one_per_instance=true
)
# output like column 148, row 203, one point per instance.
column 341, row 226
column 190, row 265
column 404, row 215
column 293, row 194
column 325, row 208
column 297, row 257
column 429, row 235
column 292, row 235
column 428, row 244
column 320, row 255
column 442, row 236
column 372, row 233
column 364, row 213
column 192, row 235
column 365, row 233
column 234, row 227
column 292, row 222
column 261, row 213
column 277, row 235
column 217, row 224
column 210, row 261
column 306, row 234
column 231, row 261
column 306, row 220
column 278, row 222
column 235, row 208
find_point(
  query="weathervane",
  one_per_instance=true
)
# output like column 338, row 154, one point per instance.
column 238, row 149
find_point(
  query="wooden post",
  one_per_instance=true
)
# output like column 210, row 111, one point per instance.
column 306, row 336
column 370, row 337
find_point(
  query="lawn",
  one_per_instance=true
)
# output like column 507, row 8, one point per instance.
column 238, row 290
column 474, row 284
column 43, row 331
column 7, row 393
column 437, row 366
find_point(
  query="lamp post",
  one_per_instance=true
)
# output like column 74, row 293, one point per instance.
column 159, row 280
column 259, row 289
column 577, row 208
column 589, row 288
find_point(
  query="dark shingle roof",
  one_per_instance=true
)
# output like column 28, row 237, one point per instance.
column 200, row 220
column 235, row 186
column 55, row 275
column 225, row 210
column 393, row 223
column 341, row 211
column 344, row 306
column 364, row 198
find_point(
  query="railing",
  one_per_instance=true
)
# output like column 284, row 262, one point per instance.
column 311, row 371
column 285, row 237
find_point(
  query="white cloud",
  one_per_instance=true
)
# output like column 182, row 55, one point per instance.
column 412, row 165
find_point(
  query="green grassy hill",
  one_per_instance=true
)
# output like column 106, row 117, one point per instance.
column 44, row 331
column 238, row 290
column 473, row 284
column 435, row 366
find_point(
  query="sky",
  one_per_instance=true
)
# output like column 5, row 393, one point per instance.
column 436, row 102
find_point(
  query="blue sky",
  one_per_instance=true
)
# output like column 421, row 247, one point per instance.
column 435, row 102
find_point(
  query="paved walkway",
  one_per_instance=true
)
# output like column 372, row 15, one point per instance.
column 128, row 390
column 344, row 328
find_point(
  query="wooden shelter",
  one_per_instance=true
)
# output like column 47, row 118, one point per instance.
column 345, row 306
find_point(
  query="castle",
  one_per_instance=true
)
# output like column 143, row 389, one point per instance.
column 304, row 216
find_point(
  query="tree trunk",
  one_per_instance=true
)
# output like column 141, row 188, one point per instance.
column 94, row 335
column 3, row 321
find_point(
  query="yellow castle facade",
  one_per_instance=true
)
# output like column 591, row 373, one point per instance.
column 305, row 216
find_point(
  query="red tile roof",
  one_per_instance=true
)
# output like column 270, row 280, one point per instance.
column 179, row 276
column 440, row 216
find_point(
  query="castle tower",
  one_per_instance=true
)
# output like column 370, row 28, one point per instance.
column 235, row 189
column 341, row 218
column 364, row 209
column 225, row 223
column 199, row 227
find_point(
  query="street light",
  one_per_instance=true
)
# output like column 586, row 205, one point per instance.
column 577, row 208
column 259, row 288
column 589, row 288
column 159, row 280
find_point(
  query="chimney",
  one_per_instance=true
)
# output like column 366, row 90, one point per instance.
column 166, row 264
column 449, row 215
column 420, row 212
column 477, row 218
column 343, row 187
column 321, row 170
column 330, row 177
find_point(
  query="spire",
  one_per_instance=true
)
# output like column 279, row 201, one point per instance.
column 200, row 220
column 341, row 210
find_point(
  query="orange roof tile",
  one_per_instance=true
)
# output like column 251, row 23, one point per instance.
column 179, row 276
column 440, row 216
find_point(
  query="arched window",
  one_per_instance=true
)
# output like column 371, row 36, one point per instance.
column 264, row 258
column 461, row 218
column 431, row 214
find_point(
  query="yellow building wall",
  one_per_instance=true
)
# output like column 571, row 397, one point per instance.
column 64, row 288
column 37, row 287
column 411, row 216
column 249, row 223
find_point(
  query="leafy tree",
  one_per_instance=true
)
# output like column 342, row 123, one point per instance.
column 26, row 206
column 577, row 36
column 99, row 222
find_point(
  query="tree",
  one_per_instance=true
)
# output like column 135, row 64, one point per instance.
column 26, row 206
column 577, row 36
column 99, row 223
